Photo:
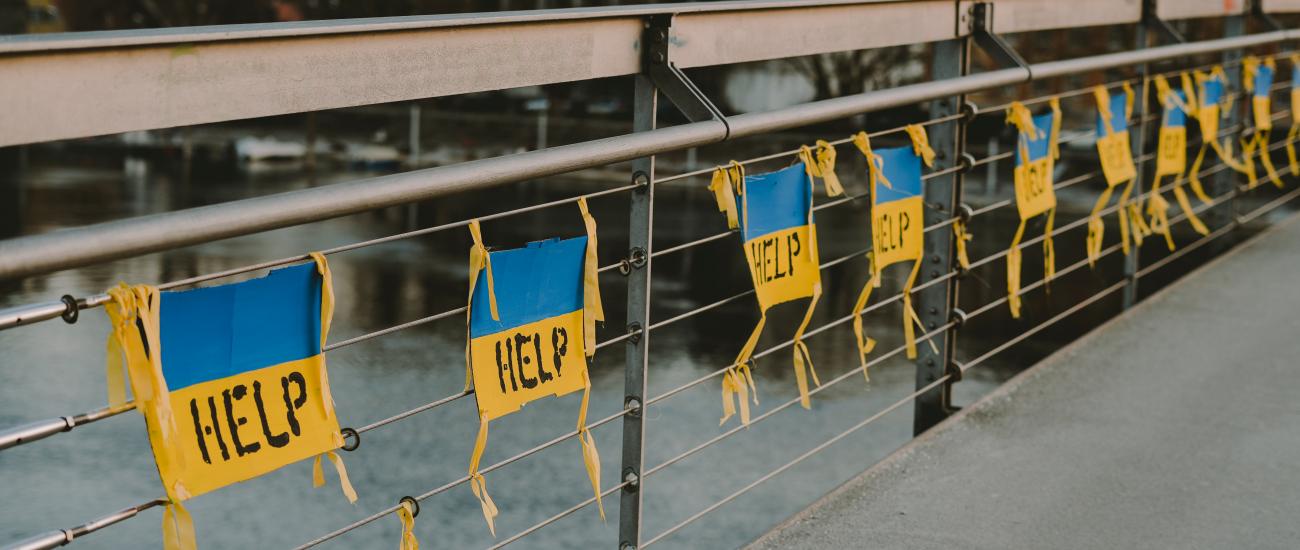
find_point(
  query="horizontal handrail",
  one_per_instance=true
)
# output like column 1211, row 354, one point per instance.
column 25, row 256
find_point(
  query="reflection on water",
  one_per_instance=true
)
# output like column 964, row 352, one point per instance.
column 53, row 369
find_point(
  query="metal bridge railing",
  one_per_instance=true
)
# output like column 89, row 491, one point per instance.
column 937, row 292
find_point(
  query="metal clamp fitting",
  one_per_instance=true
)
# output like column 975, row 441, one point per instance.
column 72, row 310
column 415, row 504
column 636, row 259
column 632, row 481
column 633, row 406
column 958, row 318
column 634, row 332
column 965, row 212
column 640, row 179
column 969, row 110
column 356, row 439
column 966, row 162
column 954, row 372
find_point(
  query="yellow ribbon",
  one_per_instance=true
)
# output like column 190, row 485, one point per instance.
column 734, row 380
column 823, row 166
column 592, row 311
column 479, row 260
column 803, row 366
column 874, row 173
column 592, row 308
column 135, row 340
column 1096, row 228
column 406, row 515
column 920, row 143
column 1023, row 119
column 327, row 398
column 1248, row 148
column 1290, row 145
column 1049, row 250
column 736, row 376
column 318, row 476
column 960, row 237
column 865, row 343
column 178, row 527
column 721, row 186
column 1158, row 209
column 590, row 456
column 1013, row 272
column 477, row 483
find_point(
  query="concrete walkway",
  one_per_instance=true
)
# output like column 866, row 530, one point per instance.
column 1176, row 425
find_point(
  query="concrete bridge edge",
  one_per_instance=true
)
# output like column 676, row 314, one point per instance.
column 1009, row 387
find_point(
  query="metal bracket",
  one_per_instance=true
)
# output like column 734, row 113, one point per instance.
column 1160, row 26
column 1257, row 10
column 670, row 80
column 991, row 43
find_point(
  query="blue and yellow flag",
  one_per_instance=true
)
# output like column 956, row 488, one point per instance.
column 532, row 326
column 1211, row 101
column 1171, row 156
column 1258, row 78
column 231, row 380
column 1036, row 153
column 1116, row 155
column 774, row 214
column 897, row 225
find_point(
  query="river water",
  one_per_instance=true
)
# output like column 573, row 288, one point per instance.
column 52, row 369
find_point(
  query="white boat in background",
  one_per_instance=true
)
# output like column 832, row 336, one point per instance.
column 268, row 149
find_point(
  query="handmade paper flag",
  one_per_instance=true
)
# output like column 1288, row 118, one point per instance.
column 532, row 325
column 1036, row 154
column 897, row 225
column 774, row 214
column 231, row 380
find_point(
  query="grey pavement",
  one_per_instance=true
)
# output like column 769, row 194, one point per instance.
column 1177, row 425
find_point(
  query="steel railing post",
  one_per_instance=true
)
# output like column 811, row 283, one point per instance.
column 943, row 194
column 1133, row 262
column 640, row 232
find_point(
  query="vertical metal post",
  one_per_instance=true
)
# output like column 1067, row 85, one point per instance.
column 414, row 158
column 640, row 233
column 1133, row 262
column 942, row 195
column 413, row 161
column 1225, row 181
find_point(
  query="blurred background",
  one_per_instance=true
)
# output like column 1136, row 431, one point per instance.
column 53, row 369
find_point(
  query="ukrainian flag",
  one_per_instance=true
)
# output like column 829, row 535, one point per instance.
column 535, row 346
column 532, row 326
column 1036, row 153
column 897, row 215
column 1260, row 97
column 1172, row 157
column 774, row 214
column 1035, row 164
column 1207, row 111
column 777, row 228
column 1113, row 139
column 231, row 380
